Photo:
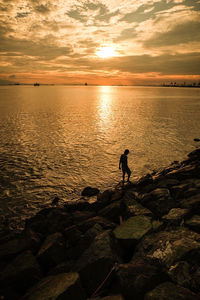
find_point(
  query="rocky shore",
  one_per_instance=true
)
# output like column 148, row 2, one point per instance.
column 137, row 241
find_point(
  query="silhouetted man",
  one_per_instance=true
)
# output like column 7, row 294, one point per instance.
column 124, row 163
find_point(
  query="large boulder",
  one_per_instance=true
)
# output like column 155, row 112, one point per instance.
column 136, row 278
column 112, row 211
column 52, row 251
column 90, row 191
column 62, row 286
column 159, row 201
column 167, row 248
column 132, row 230
column 170, row 291
column 21, row 273
column 97, row 262
column 54, row 220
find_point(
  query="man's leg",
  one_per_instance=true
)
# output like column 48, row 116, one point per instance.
column 129, row 174
column 123, row 175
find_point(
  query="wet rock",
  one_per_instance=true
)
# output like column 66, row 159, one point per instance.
column 21, row 273
column 167, row 248
column 137, row 278
column 112, row 211
column 97, row 261
column 89, row 191
column 158, row 201
column 62, row 286
column 194, row 223
column 175, row 216
column 180, row 273
column 52, row 251
column 170, row 291
column 132, row 230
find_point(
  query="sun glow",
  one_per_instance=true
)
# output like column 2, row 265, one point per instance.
column 105, row 52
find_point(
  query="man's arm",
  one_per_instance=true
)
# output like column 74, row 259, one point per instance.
column 120, row 161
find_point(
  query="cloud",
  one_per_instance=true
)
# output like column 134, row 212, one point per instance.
column 179, row 34
column 126, row 34
column 42, row 49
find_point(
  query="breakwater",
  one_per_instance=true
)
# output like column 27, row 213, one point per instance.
column 137, row 241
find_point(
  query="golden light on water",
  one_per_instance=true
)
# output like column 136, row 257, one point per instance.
column 106, row 52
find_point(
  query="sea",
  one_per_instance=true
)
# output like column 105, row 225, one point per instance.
column 56, row 140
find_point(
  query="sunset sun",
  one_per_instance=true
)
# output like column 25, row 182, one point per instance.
column 105, row 52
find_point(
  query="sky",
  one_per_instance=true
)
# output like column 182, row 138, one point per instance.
column 103, row 42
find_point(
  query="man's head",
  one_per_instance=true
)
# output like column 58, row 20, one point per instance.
column 126, row 152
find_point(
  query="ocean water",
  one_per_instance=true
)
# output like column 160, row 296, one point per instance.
column 55, row 140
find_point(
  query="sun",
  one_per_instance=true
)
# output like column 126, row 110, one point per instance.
column 105, row 52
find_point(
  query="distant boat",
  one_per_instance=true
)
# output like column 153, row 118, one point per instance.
column 36, row 84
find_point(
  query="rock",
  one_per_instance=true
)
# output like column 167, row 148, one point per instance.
column 55, row 201
column 89, row 191
column 62, row 286
column 21, row 273
column 80, row 216
column 54, row 220
column 175, row 215
column 185, row 172
column 144, row 181
column 13, row 247
column 170, row 291
column 196, row 140
column 133, row 207
column 64, row 267
column 194, row 223
column 167, row 183
column 84, row 226
column 158, row 201
column 112, row 211
column 167, row 248
column 137, row 278
column 78, row 242
column 93, row 232
column 180, row 273
column 52, row 251
column 112, row 297
column 195, row 155
column 192, row 203
column 97, row 262
column 77, row 206
column 132, row 230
